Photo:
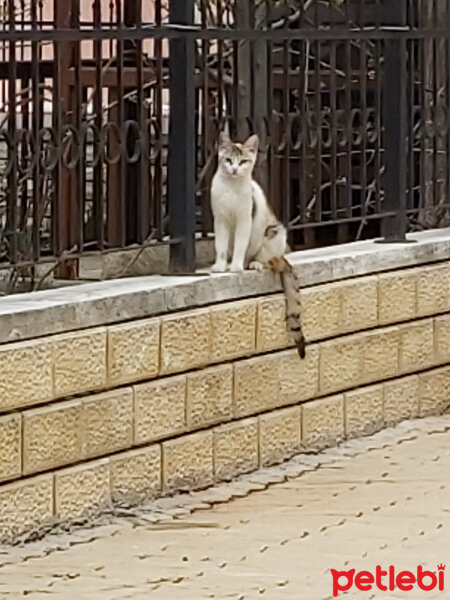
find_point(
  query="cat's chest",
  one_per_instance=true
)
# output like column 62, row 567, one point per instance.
column 231, row 200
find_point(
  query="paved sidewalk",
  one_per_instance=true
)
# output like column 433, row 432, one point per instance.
column 381, row 500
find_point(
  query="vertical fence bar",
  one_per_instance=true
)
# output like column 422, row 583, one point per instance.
column 447, row 101
column 143, row 167
column 284, row 208
column 209, row 124
column 158, row 178
column 395, row 119
column 131, row 132
column 413, row 75
column 36, row 125
column 303, row 89
column 98, row 207
column 78, row 172
column 115, row 148
column 242, row 15
column 65, row 18
column 363, row 97
column 11, row 219
column 379, row 162
column 260, row 108
column 181, row 160
column 222, row 106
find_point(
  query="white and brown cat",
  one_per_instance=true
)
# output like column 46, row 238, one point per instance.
column 246, row 228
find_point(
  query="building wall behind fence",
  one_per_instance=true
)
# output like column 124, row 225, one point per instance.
column 106, row 408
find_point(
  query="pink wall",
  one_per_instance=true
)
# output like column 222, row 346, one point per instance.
column 23, row 52
column 86, row 14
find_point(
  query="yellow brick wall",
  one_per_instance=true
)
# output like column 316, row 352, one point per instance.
column 55, row 367
column 136, row 409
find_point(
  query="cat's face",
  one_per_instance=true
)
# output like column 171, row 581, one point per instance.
column 237, row 160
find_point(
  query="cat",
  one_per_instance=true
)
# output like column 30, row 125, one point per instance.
column 246, row 228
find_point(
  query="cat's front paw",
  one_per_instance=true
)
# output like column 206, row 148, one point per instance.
column 234, row 268
column 255, row 265
column 219, row 268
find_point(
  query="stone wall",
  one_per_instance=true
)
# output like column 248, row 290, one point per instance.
column 101, row 403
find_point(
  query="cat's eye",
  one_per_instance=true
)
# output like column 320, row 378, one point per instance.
column 245, row 161
column 229, row 161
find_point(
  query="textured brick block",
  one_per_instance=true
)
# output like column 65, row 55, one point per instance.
column 434, row 392
column 401, row 399
column 298, row 379
column 79, row 360
column 233, row 330
column 26, row 374
column 359, row 304
column 185, row 341
column 82, row 490
column 279, row 435
column 364, row 411
column 322, row 311
column 188, row 461
column 133, row 351
column 160, row 409
column 107, row 422
column 416, row 346
column 442, row 338
column 271, row 328
column 255, row 385
column 52, row 436
column 25, row 505
column 397, row 297
column 433, row 290
column 136, row 475
column 10, row 447
column 381, row 354
column 323, row 423
column 209, row 396
column 235, row 449
column 341, row 363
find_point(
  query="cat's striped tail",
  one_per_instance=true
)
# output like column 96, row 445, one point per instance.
column 291, row 288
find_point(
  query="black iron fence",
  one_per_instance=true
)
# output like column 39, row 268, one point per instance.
column 109, row 113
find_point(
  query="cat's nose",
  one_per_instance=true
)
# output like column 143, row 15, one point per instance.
column 234, row 170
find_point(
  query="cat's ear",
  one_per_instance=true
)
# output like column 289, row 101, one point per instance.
column 252, row 144
column 223, row 140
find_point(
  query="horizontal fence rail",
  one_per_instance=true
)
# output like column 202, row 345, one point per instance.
column 110, row 111
column 187, row 32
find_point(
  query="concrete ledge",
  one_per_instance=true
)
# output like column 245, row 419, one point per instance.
column 48, row 312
